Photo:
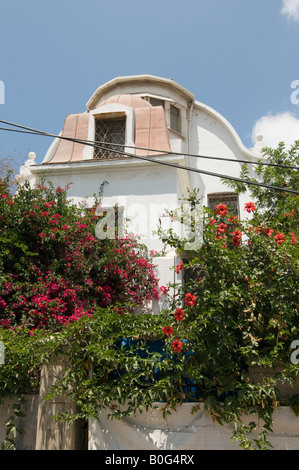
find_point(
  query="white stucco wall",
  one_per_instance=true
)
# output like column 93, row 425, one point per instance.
column 212, row 136
column 183, row 431
column 145, row 191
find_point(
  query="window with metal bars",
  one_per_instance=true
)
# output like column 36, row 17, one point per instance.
column 109, row 132
column 230, row 199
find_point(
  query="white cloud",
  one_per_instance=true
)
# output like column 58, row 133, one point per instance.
column 275, row 128
column 290, row 8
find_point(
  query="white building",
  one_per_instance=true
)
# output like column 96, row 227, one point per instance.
column 157, row 119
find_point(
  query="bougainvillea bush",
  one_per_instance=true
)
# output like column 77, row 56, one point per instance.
column 54, row 269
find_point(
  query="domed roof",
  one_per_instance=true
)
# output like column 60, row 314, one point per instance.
column 127, row 100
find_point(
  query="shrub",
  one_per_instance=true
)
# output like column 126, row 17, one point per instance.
column 53, row 269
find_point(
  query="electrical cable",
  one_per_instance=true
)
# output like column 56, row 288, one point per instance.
column 210, row 157
column 181, row 167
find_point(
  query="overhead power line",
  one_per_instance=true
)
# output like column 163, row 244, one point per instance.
column 149, row 159
column 209, row 157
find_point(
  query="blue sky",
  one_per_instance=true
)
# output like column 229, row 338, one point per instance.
column 238, row 56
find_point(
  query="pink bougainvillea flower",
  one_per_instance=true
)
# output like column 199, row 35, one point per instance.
column 163, row 289
column 177, row 345
column 249, row 206
column 179, row 314
column 190, row 300
column 167, row 330
column 153, row 253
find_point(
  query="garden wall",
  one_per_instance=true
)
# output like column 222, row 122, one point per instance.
column 42, row 432
column 26, row 440
column 145, row 431
column 183, row 431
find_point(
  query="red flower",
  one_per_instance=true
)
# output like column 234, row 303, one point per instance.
column 221, row 209
column 177, row 345
column 190, row 300
column 249, row 206
column 279, row 238
column 42, row 235
column 268, row 231
column 179, row 267
column 290, row 214
column 179, row 314
column 293, row 239
column 222, row 228
column 167, row 330
column 237, row 237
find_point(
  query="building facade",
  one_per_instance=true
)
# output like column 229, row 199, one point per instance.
column 146, row 128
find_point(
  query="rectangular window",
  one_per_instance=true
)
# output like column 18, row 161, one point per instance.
column 175, row 118
column 230, row 199
column 107, row 133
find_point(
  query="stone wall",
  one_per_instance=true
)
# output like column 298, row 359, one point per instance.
column 28, row 423
column 41, row 431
